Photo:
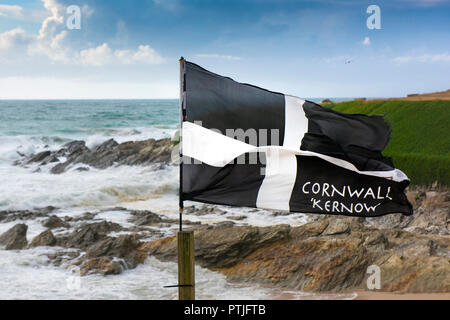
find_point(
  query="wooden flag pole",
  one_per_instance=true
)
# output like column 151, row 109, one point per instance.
column 185, row 239
column 186, row 265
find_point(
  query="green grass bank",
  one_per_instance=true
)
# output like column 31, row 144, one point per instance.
column 420, row 141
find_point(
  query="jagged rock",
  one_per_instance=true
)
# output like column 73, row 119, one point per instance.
column 336, row 227
column 63, row 256
column 45, row 239
column 237, row 218
column 123, row 246
column 204, row 210
column 50, row 159
column 54, row 222
column 15, row 238
column 145, row 219
column 110, row 153
column 103, row 265
column 73, row 147
column 39, row 157
column 330, row 254
column 221, row 224
column 84, row 217
column 13, row 215
column 60, row 168
column 431, row 214
column 88, row 234
column 224, row 246
column 103, row 256
column 281, row 213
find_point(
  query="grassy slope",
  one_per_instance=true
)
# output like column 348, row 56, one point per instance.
column 420, row 143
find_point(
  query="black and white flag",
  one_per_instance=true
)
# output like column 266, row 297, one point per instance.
column 246, row 146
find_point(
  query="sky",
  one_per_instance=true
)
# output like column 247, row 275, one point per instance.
column 129, row 49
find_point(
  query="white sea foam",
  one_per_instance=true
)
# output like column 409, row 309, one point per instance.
column 29, row 275
column 22, row 189
column 130, row 134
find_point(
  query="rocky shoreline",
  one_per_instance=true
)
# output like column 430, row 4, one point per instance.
column 108, row 154
column 326, row 254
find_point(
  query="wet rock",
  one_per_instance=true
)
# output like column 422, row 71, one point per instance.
column 281, row 213
column 45, row 239
column 224, row 246
column 328, row 254
column 13, row 215
column 84, row 217
column 39, row 157
column 143, row 218
column 88, row 234
column 112, row 255
column 55, row 222
column 63, row 256
column 204, row 210
column 50, row 159
column 60, row 168
column 146, row 219
column 101, row 157
column 103, row 265
column 110, row 153
column 15, row 238
column 123, row 246
column 237, row 218
column 222, row 224
column 336, row 227
column 431, row 213
column 73, row 148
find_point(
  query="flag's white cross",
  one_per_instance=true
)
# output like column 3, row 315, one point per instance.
column 216, row 149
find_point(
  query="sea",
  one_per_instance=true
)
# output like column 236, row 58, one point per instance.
column 31, row 126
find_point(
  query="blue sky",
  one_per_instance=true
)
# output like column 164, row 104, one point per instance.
column 130, row 49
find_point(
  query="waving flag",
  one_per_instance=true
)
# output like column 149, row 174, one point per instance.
column 246, row 146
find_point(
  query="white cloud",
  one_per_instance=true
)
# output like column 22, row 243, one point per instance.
column 366, row 41
column 424, row 58
column 52, row 35
column 97, row 56
column 11, row 11
column 53, row 23
column 14, row 43
column 218, row 56
column 103, row 55
column 52, row 42
column 146, row 54
column 15, row 12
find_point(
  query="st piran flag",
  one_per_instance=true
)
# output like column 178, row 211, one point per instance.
column 246, row 146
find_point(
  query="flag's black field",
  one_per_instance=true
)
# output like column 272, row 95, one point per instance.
column 247, row 146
